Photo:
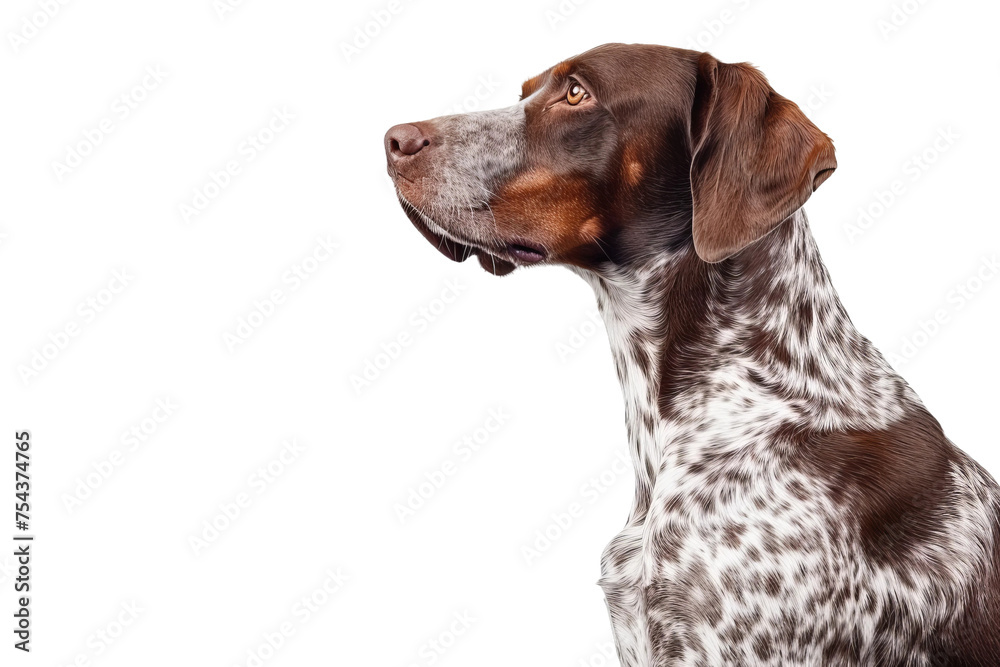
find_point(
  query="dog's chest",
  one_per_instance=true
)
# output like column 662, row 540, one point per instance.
column 724, row 558
column 741, row 557
column 732, row 542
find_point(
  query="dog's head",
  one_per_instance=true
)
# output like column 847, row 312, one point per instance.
column 611, row 156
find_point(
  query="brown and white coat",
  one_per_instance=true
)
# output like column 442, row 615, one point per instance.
column 795, row 502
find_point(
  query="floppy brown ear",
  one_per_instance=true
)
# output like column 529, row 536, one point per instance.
column 756, row 158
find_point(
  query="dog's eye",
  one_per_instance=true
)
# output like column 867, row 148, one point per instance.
column 575, row 94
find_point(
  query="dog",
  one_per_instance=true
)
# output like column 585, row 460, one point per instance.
column 795, row 503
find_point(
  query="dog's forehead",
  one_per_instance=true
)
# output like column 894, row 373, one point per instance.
column 537, row 82
column 556, row 73
column 611, row 66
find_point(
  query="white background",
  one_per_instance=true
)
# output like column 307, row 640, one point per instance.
column 883, row 95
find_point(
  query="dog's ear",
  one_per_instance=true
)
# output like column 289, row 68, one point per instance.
column 756, row 158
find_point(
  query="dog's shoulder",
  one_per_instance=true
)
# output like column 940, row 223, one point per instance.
column 919, row 506
column 897, row 483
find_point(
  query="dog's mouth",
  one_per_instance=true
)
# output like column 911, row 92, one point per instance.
column 500, row 261
column 525, row 252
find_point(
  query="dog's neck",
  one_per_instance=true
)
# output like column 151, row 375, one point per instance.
column 738, row 350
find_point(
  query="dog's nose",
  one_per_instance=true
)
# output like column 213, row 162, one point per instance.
column 402, row 141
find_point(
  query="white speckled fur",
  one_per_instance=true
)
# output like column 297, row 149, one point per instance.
column 699, row 605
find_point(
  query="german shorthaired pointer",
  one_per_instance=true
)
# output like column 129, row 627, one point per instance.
column 795, row 502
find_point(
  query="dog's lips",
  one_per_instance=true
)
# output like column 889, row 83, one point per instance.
column 456, row 251
column 526, row 253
